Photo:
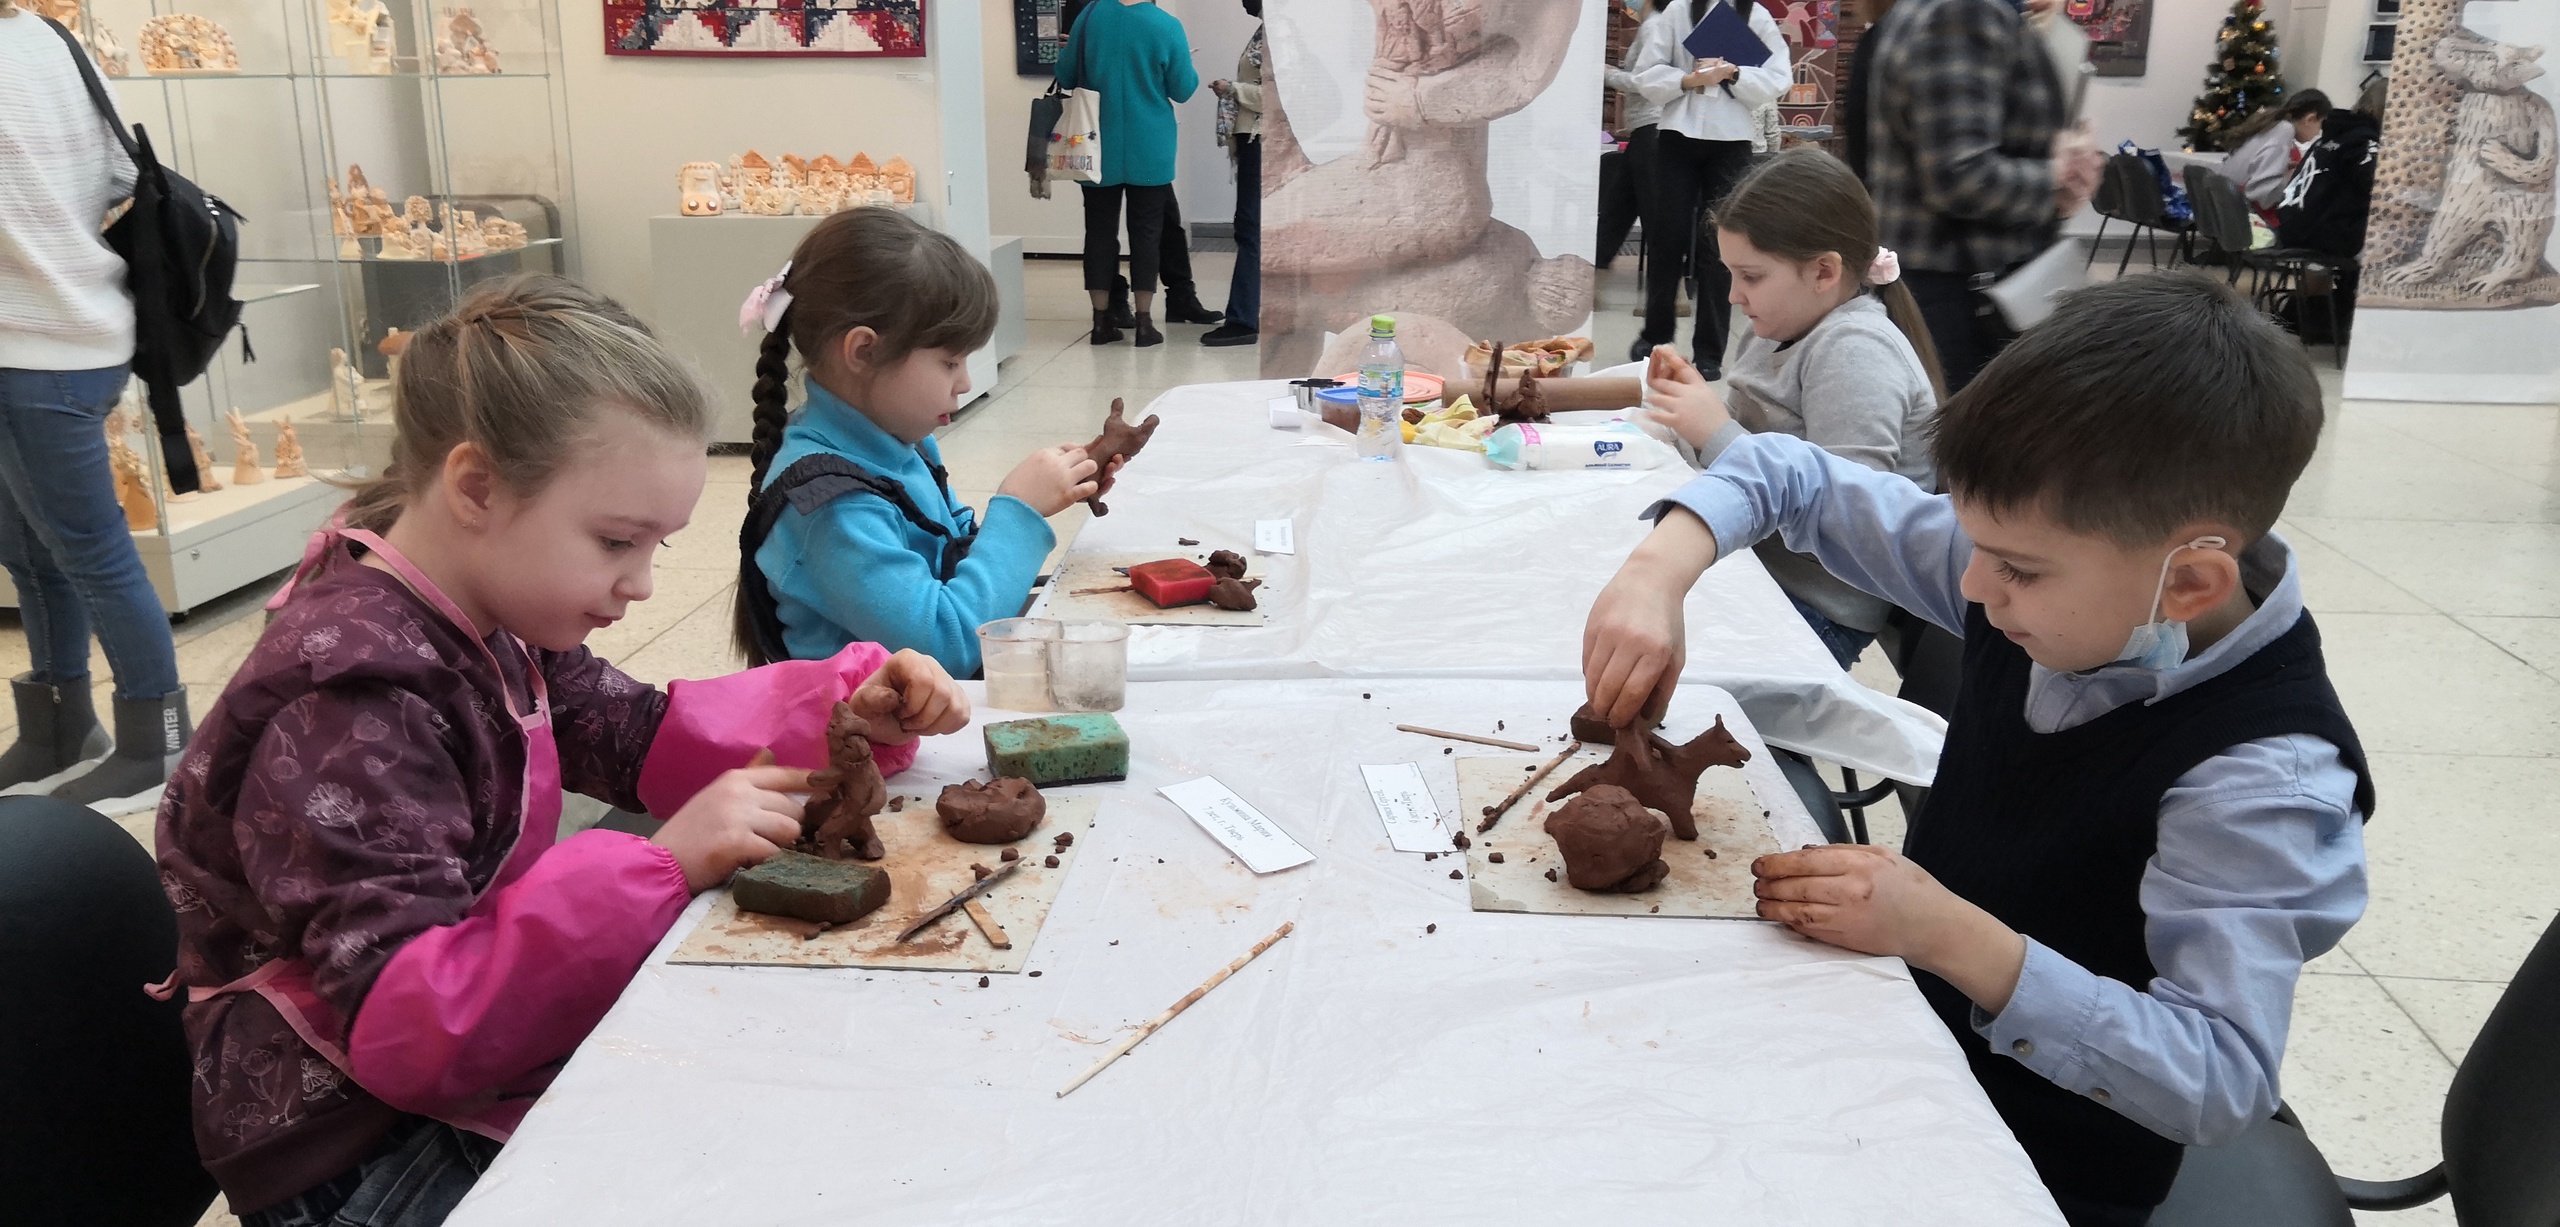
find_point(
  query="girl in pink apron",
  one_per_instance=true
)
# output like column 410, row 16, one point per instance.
column 386, row 949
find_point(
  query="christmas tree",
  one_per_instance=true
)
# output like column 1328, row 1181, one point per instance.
column 2242, row 81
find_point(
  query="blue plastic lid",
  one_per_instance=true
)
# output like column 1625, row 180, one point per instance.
column 1346, row 395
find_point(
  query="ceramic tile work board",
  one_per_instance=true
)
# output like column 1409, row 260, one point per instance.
column 1731, row 821
column 1069, row 594
column 925, row 868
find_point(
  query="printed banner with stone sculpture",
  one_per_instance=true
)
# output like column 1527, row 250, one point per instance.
column 2463, row 194
column 1436, row 160
column 764, row 27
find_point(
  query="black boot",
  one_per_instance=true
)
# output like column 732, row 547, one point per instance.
column 150, row 735
column 1229, row 333
column 1104, row 333
column 1120, row 316
column 1182, row 306
column 1147, row 334
column 57, row 730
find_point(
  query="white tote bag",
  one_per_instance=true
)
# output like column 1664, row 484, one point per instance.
column 1075, row 145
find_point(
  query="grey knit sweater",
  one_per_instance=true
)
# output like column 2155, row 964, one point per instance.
column 1851, row 386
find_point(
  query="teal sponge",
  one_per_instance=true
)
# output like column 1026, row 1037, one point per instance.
column 805, row 887
column 1074, row 748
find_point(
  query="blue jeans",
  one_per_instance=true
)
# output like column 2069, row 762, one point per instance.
column 415, row 1180
column 1244, row 290
column 63, row 537
column 1846, row 642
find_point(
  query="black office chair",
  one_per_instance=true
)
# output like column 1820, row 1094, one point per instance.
column 2501, row 1138
column 98, row 1129
column 2139, row 200
column 2221, row 227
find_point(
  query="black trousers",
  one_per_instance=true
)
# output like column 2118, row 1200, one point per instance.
column 1148, row 207
column 1626, row 177
column 1965, row 327
column 1690, row 178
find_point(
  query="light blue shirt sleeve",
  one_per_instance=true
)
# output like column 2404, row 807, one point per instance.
column 859, row 573
column 1878, row 531
column 2259, row 869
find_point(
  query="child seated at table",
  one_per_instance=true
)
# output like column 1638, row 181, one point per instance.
column 1838, row 356
column 853, row 533
column 386, row 949
column 2148, row 812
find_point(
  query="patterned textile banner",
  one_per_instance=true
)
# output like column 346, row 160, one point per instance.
column 764, row 27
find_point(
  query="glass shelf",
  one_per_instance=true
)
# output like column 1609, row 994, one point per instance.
column 339, row 75
column 269, row 293
column 335, row 259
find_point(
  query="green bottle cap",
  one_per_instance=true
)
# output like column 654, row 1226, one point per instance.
column 1382, row 325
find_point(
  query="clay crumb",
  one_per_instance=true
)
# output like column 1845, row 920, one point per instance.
column 1184, row 541
column 1494, row 857
column 1115, row 942
column 1448, row 749
column 1012, row 855
column 897, row 804
column 1462, row 841
column 1497, row 726
column 1655, row 908
column 1036, row 975
column 1551, row 875
column 1431, row 856
column 981, row 871
column 1064, row 838
column 1430, row 928
column 1049, row 862
column 982, row 981
column 1364, row 694
column 1711, row 854
column 1454, row 875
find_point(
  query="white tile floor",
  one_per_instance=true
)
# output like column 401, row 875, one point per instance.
column 2430, row 538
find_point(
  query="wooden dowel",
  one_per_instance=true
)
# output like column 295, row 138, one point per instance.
column 1122, row 1048
column 1482, row 741
column 1494, row 813
column 986, row 923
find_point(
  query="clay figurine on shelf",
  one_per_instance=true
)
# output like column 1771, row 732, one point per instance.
column 360, row 34
column 1611, row 843
column 133, row 488
column 244, row 452
column 346, row 387
column 1117, row 443
column 1662, row 775
column 864, row 175
column 899, row 176
column 186, row 45
column 750, row 169
column 793, row 168
column 499, row 234
column 698, row 189
column 289, row 451
column 463, row 48
column 205, row 480
column 845, row 794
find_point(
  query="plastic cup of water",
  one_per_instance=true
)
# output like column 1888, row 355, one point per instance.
column 1088, row 666
column 1015, row 652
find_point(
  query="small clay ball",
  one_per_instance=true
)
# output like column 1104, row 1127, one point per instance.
column 993, row 813
column 1610, row 841
column 1226, row 564
column 1012, row 854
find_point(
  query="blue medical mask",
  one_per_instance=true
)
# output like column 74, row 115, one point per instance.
column 2160, row 645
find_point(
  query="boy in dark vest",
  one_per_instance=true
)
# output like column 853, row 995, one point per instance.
column 2148, row 814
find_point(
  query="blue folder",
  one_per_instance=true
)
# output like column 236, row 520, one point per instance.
column 1725, row 34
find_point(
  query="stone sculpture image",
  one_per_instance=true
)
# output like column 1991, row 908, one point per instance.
column 289, row 462
column 244, row 452
column 463, row 49
column 186, row 45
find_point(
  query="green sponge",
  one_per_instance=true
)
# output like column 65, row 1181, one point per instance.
column 1075, row 748
column 805, row 887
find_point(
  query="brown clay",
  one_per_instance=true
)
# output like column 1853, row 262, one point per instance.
column 991, row 813
column 1233, row 593
column 846, row 794
column 1118, row 441
column 1662, row 775
column 1012, row 854
column 1225, row 564
column 1611, row 843
column 1048, row 862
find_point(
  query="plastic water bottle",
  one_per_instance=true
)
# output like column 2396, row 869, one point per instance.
column 1381, row 393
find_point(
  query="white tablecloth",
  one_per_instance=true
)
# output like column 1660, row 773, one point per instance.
column 1443, row 566
column 1506, row 1069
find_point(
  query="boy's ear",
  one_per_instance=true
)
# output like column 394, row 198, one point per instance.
column 471, row 484
column 2199, row 581
column 856, row 348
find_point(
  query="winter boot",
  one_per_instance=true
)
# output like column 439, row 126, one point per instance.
column 1119, row 300
column 150, row 735
column 57, row 730
column 1182, row 306
column 1104, row 331
column 1147, row 334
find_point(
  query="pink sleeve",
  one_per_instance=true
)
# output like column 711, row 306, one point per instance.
column 717, row 725
column 470, row 1008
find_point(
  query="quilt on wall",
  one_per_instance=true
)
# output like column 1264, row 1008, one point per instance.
column 764, row 27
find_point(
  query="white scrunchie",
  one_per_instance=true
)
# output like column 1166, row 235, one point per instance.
column 765, row 304
column 1885, row 269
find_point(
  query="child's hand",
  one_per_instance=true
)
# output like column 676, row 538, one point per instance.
column 1875, row 901
column 1052, row 479
column 1635, row 642
column 736, row 821
column 1679, row 397
column 911, row 696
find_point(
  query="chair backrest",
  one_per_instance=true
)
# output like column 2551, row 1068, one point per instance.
column 2222, row 213
column 97, row 1073
column 2502, row 1115
column 2139, row 190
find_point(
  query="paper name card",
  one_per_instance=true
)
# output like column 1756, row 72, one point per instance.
column 1275, row 537
column 1237, row 825
column 1405, row 805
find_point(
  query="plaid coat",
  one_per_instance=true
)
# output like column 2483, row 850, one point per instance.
column 1963, row 110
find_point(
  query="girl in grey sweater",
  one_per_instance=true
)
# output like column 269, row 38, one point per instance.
column 1837, row 356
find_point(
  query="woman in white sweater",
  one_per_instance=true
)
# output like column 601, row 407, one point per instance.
column 66, row 339
column 1702, row 149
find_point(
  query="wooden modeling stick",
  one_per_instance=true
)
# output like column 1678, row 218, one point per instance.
column 958, row 901
column 1445, row 734
column 1122, row 1048
column 1494, row 813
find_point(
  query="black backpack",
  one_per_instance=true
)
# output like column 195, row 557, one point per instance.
column 809, row 484
column 181, row 246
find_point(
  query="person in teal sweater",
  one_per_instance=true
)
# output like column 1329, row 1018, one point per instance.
column 853, row 533
column 1137, row 57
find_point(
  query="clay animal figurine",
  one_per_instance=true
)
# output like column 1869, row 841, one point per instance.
column 205, row 480
column 1118, row 442
column 1660, row 774
column 289, row 462
column 244, row 452
column 1225, row 564
column 133, row 490
column 1236, row 594
column 837, row 820
column 698, row 189
column 1610, row 842
column 2498, row 205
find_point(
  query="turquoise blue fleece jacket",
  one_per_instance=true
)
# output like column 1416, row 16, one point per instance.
column 1137, row 57
column 857, row 570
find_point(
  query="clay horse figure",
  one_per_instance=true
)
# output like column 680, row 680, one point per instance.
column 1662, row 775
column 1118, row 441
column 845, row 794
